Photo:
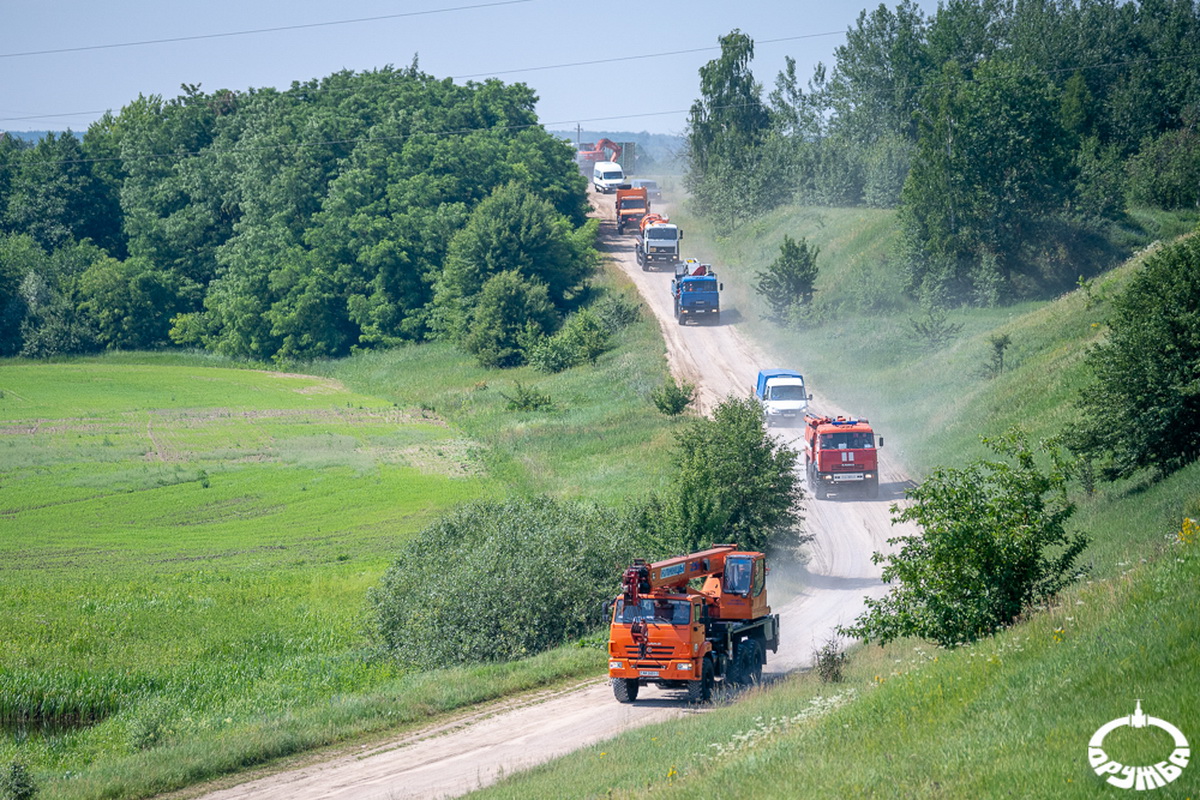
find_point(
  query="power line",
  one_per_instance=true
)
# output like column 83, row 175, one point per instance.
column 255, row 31
column 567, row 65
column 660, row 54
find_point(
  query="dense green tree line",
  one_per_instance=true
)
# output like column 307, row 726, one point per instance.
column 359, row 210
column 1010, row 134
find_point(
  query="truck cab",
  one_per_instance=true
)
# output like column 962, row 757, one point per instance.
column 783, row 395
column 696, row 293
column 658, row 242
column 840, row 453
column 607, row 176
column 631, row 207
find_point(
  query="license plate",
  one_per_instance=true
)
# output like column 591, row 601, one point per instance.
column 843, row 477
column 648, row 673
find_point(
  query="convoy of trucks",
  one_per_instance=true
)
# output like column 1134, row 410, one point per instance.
column 841, row 453
column 667, row 632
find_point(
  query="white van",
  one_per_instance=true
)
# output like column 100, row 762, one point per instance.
column 606, row 176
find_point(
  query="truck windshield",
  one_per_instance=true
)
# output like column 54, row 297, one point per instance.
column 632, row 203
column 655, row 610
column 737, row 576
column 847, row 440
column 699, row 286
column 787, row 393
column 661, row 233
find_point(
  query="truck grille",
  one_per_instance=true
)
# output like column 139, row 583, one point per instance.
column 652, row 651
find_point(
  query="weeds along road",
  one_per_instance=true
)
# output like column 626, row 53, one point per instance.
column 478, row 747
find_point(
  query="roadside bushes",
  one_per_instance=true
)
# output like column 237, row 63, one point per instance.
column 500, row 580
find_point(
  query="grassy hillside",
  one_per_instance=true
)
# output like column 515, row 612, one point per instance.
column 187, row 544
column 1007, row 717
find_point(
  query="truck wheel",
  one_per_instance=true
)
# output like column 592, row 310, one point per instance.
column 756, row 670
column 748, row 667
column 625, row 689
column 701, row 691
column 716, row 318
column 819, row 487
column 873, row 488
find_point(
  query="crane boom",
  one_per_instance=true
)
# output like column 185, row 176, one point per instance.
column 642, row 578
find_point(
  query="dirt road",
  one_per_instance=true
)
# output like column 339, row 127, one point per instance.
column 478, row 747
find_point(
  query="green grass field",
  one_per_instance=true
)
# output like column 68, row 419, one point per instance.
column 187, row 544
column 1007, row 717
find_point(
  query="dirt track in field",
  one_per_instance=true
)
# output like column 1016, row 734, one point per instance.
column 479, row 746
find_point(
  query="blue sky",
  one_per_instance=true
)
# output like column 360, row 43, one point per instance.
column 514, row 41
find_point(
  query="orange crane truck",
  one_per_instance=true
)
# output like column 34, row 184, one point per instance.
column 632, row 206
column 840, row 452
column 667, row 632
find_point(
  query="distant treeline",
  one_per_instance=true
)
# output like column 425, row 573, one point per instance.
column 1011, row 135
column 348, row 212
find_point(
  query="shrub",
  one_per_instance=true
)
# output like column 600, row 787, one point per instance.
column 829, row 660
column 992, row 543
column 789, row 280
column 672, row 398
column 495, row 581
column 527, row 398
column 1142, row 410
column 16, row 783
column 733, row 483
column 582, row 339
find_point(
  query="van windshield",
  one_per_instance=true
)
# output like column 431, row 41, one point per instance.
column 786, row 393
column 614, row 176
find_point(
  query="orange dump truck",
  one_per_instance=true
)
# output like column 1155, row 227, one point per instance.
column 632, row 205
column 669, row 633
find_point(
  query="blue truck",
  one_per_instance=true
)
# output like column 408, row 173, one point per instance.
column 783, row 395
column 696, row 292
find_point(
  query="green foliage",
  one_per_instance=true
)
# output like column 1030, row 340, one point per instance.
column 510, row 312
column 513, row 231
column 581, row 340
column 993, row 542
column 733, row 483
column 789, row 281
column 732, row 167
column 1165, row 173
column 934, row 330
column 495, row 581
column 991, row 161
column 1142, row 409
column 527, row 398
column 999, row 343
column 295, row 224
column 829, row 661
column 17, row 783
column 673, row 398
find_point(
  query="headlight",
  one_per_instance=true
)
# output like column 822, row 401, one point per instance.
column 687, row 667
column 615, row 665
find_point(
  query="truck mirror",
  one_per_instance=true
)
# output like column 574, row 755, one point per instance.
column 810, row 397
column 880, row 442
column 720, row 287
column 681, row 236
